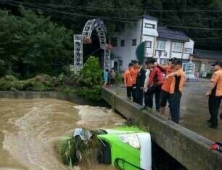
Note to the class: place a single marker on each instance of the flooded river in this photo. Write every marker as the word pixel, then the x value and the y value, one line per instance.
pixel 29 129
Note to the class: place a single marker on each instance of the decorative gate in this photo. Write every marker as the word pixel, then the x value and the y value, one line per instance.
pixel 85 37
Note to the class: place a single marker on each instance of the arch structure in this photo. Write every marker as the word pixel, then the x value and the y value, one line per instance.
pixel 79 39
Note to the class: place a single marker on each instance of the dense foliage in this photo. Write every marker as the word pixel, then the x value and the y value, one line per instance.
pixel 38 83
pixel 200 19
pixel 90 80
pixel 87 84
pixel 31 44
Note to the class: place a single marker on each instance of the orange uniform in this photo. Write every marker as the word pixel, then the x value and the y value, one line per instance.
pixel 180 73
pixel 167 83
pixel 217 78
pixel 127 78
pixel 134 73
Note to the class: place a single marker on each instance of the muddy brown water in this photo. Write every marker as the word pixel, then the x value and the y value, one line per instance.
pixel 29 129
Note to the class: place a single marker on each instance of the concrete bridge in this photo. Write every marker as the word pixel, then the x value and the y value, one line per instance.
pixel 187 147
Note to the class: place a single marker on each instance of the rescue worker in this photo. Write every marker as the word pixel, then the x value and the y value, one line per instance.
pixel 128 81
pixel 215 94
pixel 176 89
pixel 134 72
pixel 154 84
pixel 165 90
pixel 140 84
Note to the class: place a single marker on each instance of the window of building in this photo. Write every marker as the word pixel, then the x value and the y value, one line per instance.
pixel 177 47
pixel 188 50
pixel 148 44
pixel 147 25
pixel 161 45
pixel 122 43
pixel 134 42
pixel 114 41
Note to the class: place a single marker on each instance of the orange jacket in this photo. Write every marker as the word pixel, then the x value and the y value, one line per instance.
pixel 167 82
pixel 182 81
pixel 217 78
pixel 134 73
pixel 127 78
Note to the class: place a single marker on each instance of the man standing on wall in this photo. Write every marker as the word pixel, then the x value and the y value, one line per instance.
pixel 154 84
pixel 128 81
pixel 165 90
pixel 134 72
pixel 176 89
pixel 140 84
pixel 215 94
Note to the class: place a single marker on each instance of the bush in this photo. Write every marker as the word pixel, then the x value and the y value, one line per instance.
pixel 93 93
pixel 90 80
pixel 119 78
pixel 87 84
pixel 38 83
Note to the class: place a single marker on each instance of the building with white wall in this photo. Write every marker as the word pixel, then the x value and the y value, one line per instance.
pixel 203 60
pixel 160 43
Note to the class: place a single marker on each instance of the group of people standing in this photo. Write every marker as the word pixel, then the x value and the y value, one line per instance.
pixel 147 80
pixel 109 77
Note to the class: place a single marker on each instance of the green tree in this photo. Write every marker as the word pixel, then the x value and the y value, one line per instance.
pixel 34 42
pixel 88 9
pixel 90 80
pixel 181 16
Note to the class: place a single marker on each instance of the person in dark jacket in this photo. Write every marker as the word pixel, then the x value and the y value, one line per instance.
pixel 140 84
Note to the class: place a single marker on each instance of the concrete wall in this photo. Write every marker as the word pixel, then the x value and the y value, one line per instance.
pixel 127 53
pixel 149 51
pixel 188 45
pixel 141 33
pixel 187 147
pixel 150 31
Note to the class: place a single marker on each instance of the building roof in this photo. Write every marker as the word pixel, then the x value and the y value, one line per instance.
pixel 146 16
pixel 166 33
pixel 206 54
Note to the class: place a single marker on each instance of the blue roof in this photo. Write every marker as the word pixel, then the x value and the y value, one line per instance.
pixel 207 54
pixel 166 33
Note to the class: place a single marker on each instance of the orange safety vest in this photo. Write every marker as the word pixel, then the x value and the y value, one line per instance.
pixel 128 78
pixel 182 81
pixel 217 78
pixel 167 82
pixel 134 73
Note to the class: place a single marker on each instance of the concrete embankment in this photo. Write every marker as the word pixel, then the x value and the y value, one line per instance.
pixel 187 147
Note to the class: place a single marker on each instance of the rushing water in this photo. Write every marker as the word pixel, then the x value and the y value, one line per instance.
pixel 29 129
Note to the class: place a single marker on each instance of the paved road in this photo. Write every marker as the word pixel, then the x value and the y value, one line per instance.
pixel 194 110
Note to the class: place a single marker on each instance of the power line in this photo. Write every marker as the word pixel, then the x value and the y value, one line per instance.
pixel 125 20
pixel 121 9
pixel 32 5
pixel 77 7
